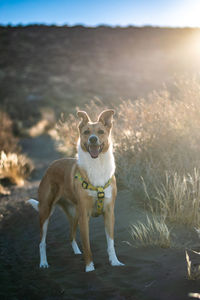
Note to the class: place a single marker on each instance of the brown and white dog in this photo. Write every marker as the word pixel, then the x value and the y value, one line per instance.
pixel 95 166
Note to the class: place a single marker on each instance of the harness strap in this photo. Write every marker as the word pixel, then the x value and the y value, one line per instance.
pixel 98 189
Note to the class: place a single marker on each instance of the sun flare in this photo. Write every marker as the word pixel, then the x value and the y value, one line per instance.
pixel 188 13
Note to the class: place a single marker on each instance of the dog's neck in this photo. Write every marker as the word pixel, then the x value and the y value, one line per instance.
pixel 100 169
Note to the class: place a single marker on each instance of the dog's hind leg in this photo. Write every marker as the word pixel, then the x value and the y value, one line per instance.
pixel 71 213
pixel 44 213
pixel 46 208
pixel 42 246
pixel 73 228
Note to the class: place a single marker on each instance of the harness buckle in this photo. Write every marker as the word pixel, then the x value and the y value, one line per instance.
pixel 85 185
pixel 100 195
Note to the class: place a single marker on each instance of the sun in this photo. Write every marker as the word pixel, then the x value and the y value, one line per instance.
pixel 188 13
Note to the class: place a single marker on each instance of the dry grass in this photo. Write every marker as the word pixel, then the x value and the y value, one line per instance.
pixel 158 134
pixel 178 198
pixel 44 125
pixel 153 232
pixel 159 141
pixel 194 295
pixel 8 142
pixel 4 190
pixel 193 269
pixel 15 167
pixel 66 135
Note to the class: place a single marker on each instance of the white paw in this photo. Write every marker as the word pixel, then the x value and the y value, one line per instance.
pixel 44 265
pixel 116 262
pixel 76 248
pixel 90 267
pixel 78 251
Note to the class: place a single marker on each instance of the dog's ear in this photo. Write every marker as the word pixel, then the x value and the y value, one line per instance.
pixel 85 118
pixel 106 117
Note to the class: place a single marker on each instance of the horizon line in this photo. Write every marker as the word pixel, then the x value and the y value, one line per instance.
pixel 21 24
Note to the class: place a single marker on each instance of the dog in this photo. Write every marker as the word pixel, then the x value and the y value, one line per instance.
pixel 82 187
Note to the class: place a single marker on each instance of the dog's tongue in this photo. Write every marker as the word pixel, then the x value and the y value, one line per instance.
pixel 94 151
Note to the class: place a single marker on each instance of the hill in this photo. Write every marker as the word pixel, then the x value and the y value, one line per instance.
pixel 61 67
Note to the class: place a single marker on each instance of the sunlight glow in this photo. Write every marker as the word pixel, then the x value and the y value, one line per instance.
pixel 196 43
pixel 193 47
pixel 188 13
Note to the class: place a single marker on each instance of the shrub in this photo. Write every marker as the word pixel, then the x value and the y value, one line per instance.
pixel 66 135
pixel 156 135
pixel 4 190
pixel 15 167
pixel 153 232
pixel 194 295
pixel 178 198
pixel 8 142
pixel 193 267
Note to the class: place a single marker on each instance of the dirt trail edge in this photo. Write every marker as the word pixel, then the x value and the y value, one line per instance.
pixel 149 273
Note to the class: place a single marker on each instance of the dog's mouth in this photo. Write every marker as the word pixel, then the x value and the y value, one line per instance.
pixel 94 150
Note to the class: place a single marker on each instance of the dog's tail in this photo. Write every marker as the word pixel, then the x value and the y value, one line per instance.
pixel 34 203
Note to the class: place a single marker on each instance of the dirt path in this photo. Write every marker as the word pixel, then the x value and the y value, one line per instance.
pixel 150 273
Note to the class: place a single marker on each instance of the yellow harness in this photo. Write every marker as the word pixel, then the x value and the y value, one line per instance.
pixel 98 189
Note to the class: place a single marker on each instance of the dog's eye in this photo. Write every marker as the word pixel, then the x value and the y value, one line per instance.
pixel 100 131
pixel 86 132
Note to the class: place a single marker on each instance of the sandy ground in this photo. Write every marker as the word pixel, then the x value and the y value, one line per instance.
pixel 149 273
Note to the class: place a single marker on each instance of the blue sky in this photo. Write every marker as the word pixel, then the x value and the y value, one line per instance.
pixel 174 13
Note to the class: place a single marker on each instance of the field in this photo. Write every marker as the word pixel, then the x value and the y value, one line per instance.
pixel 150 76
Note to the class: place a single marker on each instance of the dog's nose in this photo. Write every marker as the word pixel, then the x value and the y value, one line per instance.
pixel 93 139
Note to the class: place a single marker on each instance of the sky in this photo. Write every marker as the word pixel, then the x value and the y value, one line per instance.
pixel 172 13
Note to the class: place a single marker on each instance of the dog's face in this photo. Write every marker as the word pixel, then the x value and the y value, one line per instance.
pixel 95 136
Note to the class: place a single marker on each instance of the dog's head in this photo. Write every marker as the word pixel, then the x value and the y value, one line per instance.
pixel 95 136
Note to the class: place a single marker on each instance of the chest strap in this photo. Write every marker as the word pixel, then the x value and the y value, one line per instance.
pixel 98 189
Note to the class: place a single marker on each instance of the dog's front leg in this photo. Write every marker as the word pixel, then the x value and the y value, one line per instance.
pixel 84 231
pixel 109 220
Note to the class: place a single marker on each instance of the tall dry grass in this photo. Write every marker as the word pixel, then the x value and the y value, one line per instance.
pixel 159 142
pixel 13 165
pixel 153 232
pixel 193 266
pixel 8 142
pixel 178 198
pixel 159 134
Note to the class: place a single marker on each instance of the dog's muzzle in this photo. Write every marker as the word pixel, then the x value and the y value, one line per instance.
pixel 94 147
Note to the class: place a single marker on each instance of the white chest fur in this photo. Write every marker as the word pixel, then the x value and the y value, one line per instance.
pixel 100 169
